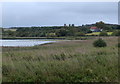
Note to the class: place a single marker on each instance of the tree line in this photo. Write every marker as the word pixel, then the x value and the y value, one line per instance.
pixel 58 31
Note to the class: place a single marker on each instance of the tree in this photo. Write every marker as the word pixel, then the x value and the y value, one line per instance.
pixel 42 34
pixel 61 32
pixel 71 31
pixel 116 33
pixel 10 33
pixel 108 28
pixel 100 24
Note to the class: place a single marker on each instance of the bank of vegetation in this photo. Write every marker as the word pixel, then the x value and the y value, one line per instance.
pixel 66 62
pixel 61 31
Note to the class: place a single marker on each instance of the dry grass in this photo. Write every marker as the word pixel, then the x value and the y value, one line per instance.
pixel 66 61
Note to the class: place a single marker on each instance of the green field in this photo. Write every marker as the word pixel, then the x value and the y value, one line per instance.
pixel 10 29
pixel 97 33
pixel 66 61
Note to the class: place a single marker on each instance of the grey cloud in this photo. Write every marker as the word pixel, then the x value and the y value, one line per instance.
pixel 58 13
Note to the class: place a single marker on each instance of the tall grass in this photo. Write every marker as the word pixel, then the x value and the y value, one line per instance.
pixel 67 61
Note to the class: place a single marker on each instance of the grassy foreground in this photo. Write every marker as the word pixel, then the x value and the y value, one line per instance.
pixel 67 61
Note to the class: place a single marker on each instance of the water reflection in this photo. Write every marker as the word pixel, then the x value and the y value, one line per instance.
pixel 23 43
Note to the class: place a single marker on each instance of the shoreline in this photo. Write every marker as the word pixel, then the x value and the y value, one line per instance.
pixel 23 43
pixel 49 43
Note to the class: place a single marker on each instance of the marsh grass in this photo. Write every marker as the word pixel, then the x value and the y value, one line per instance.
pixel 66 61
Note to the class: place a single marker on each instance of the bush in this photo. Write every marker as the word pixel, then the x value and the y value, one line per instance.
pixel 89 31
pixel 103 33
pixel 118 45
pixel 99 43
pixel 116 33
pixel 50 35
pixel 80 34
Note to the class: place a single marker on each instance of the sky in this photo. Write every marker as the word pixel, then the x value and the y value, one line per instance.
pixel 59 0
pixel 19 14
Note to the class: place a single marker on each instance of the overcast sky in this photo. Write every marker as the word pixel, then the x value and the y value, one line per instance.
pixel 58 13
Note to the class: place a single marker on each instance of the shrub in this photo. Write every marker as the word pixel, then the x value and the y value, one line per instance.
pixel 89 31
pixel 118 45
pixel 99 43
pixel 80 34
pixel 103 33
pixel 116 33
pixel 50 35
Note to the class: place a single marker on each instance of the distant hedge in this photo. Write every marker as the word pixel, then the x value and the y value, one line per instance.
pixel 116 33
pixel 103 33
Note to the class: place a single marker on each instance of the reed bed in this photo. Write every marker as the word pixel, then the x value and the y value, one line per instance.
pixel 66 61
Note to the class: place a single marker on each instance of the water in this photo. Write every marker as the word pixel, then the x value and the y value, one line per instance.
pixel 23 43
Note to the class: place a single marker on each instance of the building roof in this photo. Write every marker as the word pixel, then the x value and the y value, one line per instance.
pixel 93 28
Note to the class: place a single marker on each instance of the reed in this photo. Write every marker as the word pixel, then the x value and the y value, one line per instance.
pixel 66 61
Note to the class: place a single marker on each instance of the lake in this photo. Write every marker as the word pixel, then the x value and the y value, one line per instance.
pixel 24 42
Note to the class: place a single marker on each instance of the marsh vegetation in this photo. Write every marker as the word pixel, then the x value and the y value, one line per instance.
pixel 66 61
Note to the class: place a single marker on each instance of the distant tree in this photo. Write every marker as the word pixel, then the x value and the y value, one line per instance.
pixel 116 33
pixel 108 28
pixel 73 25
pixel 61 32
pixel 118 27
pixel 42 34
pixel 71 31
pixel 100 24
pixel 10 33
pixel 80 34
